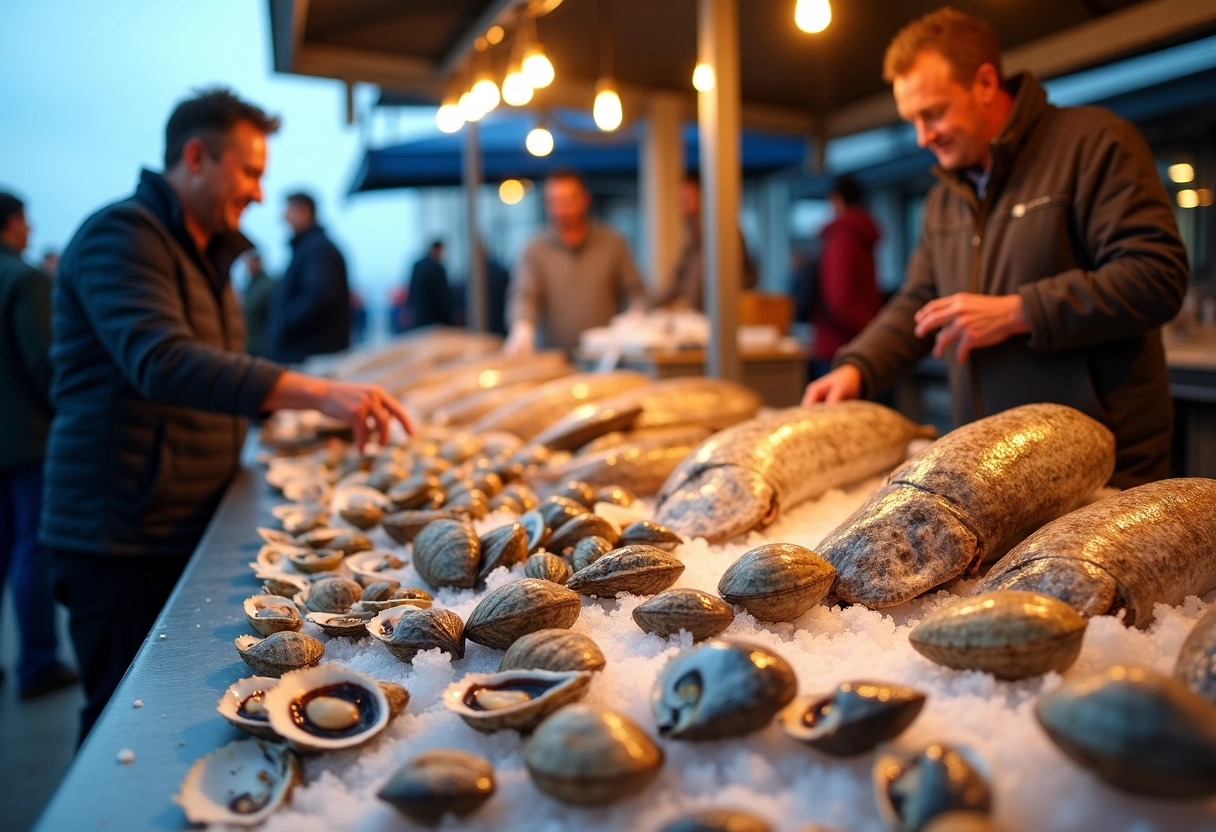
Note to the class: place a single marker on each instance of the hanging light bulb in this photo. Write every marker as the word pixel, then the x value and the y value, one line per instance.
pixel 467 105
pixel 485 92
pixel 703 78
pixel 448 117
pixel 516 90
pixel 539 141
pixel 537 68
pixel 813 15
pixel 511 191
pixel 607 108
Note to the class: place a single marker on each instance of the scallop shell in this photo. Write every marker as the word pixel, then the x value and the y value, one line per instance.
pixel 513 699
pixel 853 718
pixel 290 715
pixel 405 631
pixel 701 614
pixel 777 582
pixel 637 570
pixel 438 782
pixel 552 649
pixel 252 717
pixel 547 567
pixel 268 614
pixel 446 553
pixel 518 608
pixel 241 784
pixel 909 793
pixel 280 652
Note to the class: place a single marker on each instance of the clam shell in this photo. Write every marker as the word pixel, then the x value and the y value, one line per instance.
pixel 446 553
pixel 280 652
pixel 1139 730
pixel 547 567
pixel 853 718
pixel 637 570
pixel 362 516
pixel 518 608
pixel 402 596
pixel 777 582
pixel 341 625
pixel 404 526
pixel 616 495
pixel 1196 664
pixel 558 510
pixel 909 793
pixel 405 631
pixel 721 689
pixel 297 518
pixel 568 534
pixel 311 561
pixel 504 546
pixel 398 698
pixel 591 756
pixel 419 491
pixel 536 528
pixel 241 784
pixel 229 705
pixel 268 614
pixel 284 708
pixel 369 566
pixel 718 820
pixel 318 538
pixel 1009 633
pixel 578 491
pixel 649 533
pixel 379 590
pixel 332 595
pixel 507 502
pixel 700 613
pixel 588 550
pixel 552 649
pixel 283 584
pixel 438 782
pixel 351 542
pixel 521 492
pixel 471 500
pixel 547 690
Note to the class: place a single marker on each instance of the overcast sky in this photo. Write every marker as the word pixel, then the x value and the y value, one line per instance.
pixel 87 85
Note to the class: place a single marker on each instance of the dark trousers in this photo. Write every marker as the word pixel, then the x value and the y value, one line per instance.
pixel 113 603
pixel 28 565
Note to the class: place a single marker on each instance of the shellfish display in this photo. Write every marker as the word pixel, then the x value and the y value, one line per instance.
pixel 438 783
pixel 326 708
pixel 515 699
pixel 242 783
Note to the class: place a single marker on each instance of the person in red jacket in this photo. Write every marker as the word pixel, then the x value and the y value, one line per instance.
pixel 847 296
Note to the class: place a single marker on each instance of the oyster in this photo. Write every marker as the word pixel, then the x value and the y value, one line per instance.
pixel 242 783
pixel 777 582
pixel 310 561
pixel 718 820
pixel 588 550
pixel 518 608
pixel 637 570
pixel 505 546
pixel 279 652
pixel 513 699
pixel 341 625
pixel 911 792
pixel 568 534
pixel 854 718
pixel 326 708
pixel 271 613
pixel 405 631
pixel 438 782
pixel 721 689
pixel 243 704
pixel 672 610
pixel 1009 633
pixel 552 650
pixel 591 756
pixel 547 567
pixel 331 595
pixel 1138 730
pixel 649 533
pixel 446 553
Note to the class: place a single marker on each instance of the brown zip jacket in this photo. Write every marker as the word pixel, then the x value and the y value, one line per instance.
pixel 1076 221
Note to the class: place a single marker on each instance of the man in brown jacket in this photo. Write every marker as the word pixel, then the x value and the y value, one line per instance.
pixel 1049 257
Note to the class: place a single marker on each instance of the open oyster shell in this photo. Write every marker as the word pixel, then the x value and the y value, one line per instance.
pixel 243 704
pixel 513 699
pixel 241 784
pixel 268 614
pixel 326 708
pixel 341 624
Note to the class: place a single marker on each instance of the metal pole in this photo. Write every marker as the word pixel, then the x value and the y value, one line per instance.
pixel 661 170
pixel 475 291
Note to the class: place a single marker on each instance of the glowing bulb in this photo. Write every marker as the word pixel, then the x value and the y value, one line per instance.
pixel 485 93
pixel 813 15
pixel 703 78
pixel 1181 172
pixel 467 105
pixel 1188 198
pixel 448 117
pixel 537 68
pixel 511 191
pixel 516 90
pixel 539 142
pixel 607 108
pixel 494 34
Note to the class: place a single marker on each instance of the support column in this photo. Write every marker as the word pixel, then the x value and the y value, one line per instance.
pixel 661 172
pixel 475 291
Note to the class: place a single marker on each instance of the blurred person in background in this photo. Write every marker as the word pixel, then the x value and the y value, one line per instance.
pixel 152 386
pixel 310 313
pixel 50 263
pixel 25 418
pixel 428 300
pixel 258 295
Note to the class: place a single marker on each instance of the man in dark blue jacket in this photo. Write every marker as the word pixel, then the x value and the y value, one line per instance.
pixel 429 299
pixel 310 313
pixel 152 386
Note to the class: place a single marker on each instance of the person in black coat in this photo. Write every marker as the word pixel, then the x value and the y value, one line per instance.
pixel 310 313
pixel 429 299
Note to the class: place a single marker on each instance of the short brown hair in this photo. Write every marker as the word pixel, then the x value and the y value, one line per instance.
pixel 210 115
pixel 966 42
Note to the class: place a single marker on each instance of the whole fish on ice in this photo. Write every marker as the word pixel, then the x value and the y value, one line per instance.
pixel 641 466
pixel 539 407
pixel 967 498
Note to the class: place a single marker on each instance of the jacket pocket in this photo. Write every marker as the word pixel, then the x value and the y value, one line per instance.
pixel 153 483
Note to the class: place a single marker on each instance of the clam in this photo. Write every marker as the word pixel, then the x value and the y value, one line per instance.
pixel 507 502
pixel 530 455
pixel 341 625
pixel 558 510
pixel 307 489
pixel 777 582
pixel 718 820
pixel 525 495
pixel 649 533
pixel 1196 664
pixel 297 518
pixel 404 526
pixel 721 689
pixel 637 570
pixel 552 649
pixel 591 756
pixel 362 515
pixel 271 613
pixel 310 561
pixel 402 596
pixel 852 719
pixel 385 474
pixel 568 534
pixel 446 553
pixel 379 590
pixel 349 542
pixel 241 784
pixel 588 550
pixel 405 631
pixel 398 698
pixel 439 782
pixel 460 447
pixel 332 595
pixel 1138 730
pixel 317 538
pixel 547 567
pixel 535 528
pixel 578 491
pixel 1009 633
pixel 513 699
pixel 518 608
pixel 279 652
pixel 700 613
pixel 283 584
pixel 471 500
pixel 504 546
pixel 275 537
pixel 368 566
pixel 243 704
pixel 419 491
pixel 616 495
pixel 910 793
pixel 326 708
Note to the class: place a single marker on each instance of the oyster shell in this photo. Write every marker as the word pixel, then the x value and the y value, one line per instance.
pixel 591 756
pixel 721 689
pixel 242 783
pixel 547 567
pixel 518 608
pixel 268 614
pixel 777 582
pixel 852 719
pixel 1138 730
pixel 243 704
pixel 438 782
pixel 326 708
pixel 341 625
pixel 588 550
pixel 672 610
pixel 279 652
pixel 1011 634
pixel 505 546
pixel 405 631
pixel 513 699
pixel 567 535
pixel 446 553
pixel 910 793
pixel 649 533
pixel 637 570
pixel 718 820
pixel 552 649
pixel 331 595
